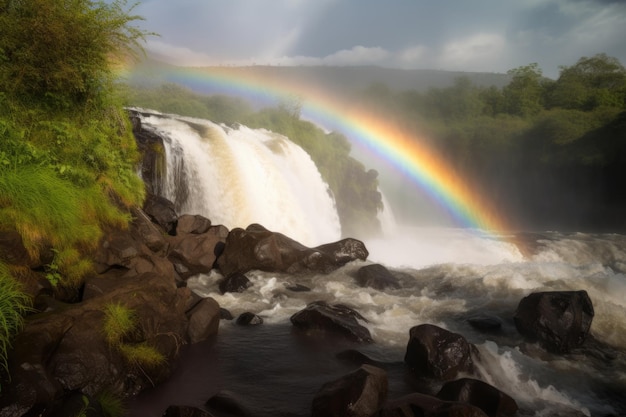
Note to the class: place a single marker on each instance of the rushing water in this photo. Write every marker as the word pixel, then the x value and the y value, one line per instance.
pixel 448 276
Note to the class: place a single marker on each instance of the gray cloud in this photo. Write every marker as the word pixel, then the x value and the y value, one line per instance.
pixel 483 35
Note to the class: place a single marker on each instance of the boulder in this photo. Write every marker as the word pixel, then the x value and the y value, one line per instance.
pixel 321 318
pixel 488 398
pixel 249 319
pixel 12 250
pixel 558 320
pixel 195 253
pixel 434 352
pixel 376 276
pixel 195 224
pixel 261 249
pixel 345 250
pixel 358 394
pixel 227 403
pixel 485 323
pixel 234 283
pixel 162 212
pixel 204 319
pixel 422 405
pixel 67 351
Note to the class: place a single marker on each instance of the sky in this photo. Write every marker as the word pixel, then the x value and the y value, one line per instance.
pixel 455 35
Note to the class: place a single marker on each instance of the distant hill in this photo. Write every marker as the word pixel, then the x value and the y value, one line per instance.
pixel 344 79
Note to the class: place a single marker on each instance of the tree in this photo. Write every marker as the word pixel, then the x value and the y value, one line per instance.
pixel 591 83
pixel 61 51
pixel 523 95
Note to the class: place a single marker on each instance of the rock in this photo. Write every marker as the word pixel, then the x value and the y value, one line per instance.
pixel 204 320
pixel 248 319
pixel 331 320
pixel 261 249
pixel 12 250
pixel 491 400
pixel 437 353
pixel 358 394
pixel 76 404
pixel 558 320
pixel 162 212
pixel 345 250
pixel 422 405
pixel 226 403
pixel 225 314
pixel 143 230
pixel 194 224
pixel 193 253
pixel 298 288
pixel 66 350
pixel 376 276
pixel 234 283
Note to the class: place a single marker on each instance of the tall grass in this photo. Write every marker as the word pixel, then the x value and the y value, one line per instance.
pixel 13 305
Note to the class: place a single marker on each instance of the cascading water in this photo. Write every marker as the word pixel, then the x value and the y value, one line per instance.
pixel 239 176
pixel 447 275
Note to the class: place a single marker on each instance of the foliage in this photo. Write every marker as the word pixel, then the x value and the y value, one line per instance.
pixel 60 52
pixel 13 305
pixel 111 404
pixel 121 322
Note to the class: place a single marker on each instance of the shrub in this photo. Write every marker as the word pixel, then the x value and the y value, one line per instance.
pixel 13 305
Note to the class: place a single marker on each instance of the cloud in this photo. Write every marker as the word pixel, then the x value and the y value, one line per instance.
pixel 478 51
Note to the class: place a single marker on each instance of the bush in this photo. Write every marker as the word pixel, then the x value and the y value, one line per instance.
pixel 13 305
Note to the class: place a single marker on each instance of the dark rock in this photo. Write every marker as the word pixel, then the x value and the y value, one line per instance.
pixel 249 319
pixel 204 320
pixel 185 411
pixel 162 212
pixel 234 283
pixel 195 224
pixel 259 248
pixel 193 254
pixel 67 351
pixel 143 230
pixel 225 314
pixel 376 276
pixel 328 320
pixel 485 323
pixel 422 405
pixel 358 394
pixel 491 400
pixel 437 353
pixel 13 251
pixel 558 320
pixel 228 404
pixel 345 250
pixel 357 358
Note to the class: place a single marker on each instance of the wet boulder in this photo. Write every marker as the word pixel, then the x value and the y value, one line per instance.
pixel 422 405
pixel 435 352
pixel 558 320
pixel 249 319
pixel 358 394
pixel 195 253
pixel 195 224
pixel 234 283
pixel 261 249
pixel 345 250
pixel 162 212
pixel 323 319
pixel 488 398
pixel 376 276
pixel 204 319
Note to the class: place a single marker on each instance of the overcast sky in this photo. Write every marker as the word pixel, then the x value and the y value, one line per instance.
pixel 467 35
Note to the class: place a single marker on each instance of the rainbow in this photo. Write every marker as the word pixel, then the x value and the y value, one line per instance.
pixel 408 153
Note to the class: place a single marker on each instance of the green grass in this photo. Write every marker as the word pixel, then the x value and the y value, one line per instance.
pixel 13 305
pixel 112 405
pixel 119 322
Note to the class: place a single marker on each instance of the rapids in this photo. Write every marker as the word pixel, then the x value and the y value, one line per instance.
pixel 447 276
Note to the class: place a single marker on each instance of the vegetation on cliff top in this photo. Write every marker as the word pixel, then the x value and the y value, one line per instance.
pixel 67 153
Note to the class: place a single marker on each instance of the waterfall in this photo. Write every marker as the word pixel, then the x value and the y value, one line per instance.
pixel 239 176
